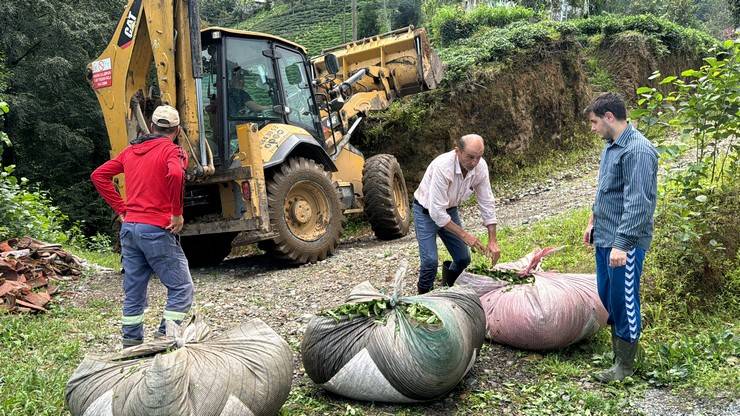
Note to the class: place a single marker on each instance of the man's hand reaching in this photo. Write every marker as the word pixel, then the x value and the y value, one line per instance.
pixel 493 251
pixel 473 242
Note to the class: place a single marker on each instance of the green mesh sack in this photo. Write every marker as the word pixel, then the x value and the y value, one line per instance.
pixel 403 350
pixel 244 371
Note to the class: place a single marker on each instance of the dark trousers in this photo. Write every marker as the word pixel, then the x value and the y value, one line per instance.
pixel 426 235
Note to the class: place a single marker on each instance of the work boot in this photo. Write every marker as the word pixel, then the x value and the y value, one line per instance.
pixel 127 342
pixel 448 276
pixel 624 361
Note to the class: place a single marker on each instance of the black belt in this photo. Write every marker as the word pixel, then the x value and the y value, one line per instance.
pixel 426 211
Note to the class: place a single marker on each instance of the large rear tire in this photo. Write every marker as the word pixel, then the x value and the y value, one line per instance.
pixel 386 197
pixel 305 212
pixel 207 250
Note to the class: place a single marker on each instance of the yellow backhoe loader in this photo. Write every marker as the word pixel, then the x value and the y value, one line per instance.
pixel 267 130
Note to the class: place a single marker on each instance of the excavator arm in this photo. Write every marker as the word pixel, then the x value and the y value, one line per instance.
pixel 153 40
pixel 156 57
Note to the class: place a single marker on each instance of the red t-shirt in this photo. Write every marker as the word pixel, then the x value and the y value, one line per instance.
pixel 155 175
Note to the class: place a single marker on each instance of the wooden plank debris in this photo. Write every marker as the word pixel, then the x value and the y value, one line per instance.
pixel 27 269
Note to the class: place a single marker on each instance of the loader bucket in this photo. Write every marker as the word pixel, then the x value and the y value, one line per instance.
pixel 406 53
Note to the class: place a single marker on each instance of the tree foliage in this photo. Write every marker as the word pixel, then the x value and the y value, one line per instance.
pixel 696 221
pixel 367 21
pixel 408 13
pixel 228 12
pixel 23 209
pixel 718 17
pixel 56 124
pixel 711 15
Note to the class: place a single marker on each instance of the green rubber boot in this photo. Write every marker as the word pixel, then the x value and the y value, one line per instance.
pixel 624 361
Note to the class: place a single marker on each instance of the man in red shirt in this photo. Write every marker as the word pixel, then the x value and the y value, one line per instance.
pixel 154 169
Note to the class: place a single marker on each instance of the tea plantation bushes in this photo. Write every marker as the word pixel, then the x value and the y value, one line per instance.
pixel 451 23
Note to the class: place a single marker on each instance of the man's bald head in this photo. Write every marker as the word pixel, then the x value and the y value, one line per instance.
pixel 469 151
pixel 469 140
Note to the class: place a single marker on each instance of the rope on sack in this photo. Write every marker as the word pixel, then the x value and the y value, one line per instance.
pixel 398 282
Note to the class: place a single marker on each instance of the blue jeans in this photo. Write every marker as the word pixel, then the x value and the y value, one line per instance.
pixel 619 290
pixel 148 249
pixel 426 234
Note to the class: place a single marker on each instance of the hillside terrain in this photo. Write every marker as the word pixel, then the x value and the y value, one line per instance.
pixel 316 25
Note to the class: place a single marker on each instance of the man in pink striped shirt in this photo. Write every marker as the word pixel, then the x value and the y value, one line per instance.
pixel 450 180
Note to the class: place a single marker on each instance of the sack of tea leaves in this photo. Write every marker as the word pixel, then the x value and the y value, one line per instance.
pixel 394 348
pixel 532 309
pixel 244 371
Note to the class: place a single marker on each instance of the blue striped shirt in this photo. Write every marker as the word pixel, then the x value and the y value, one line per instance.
pixel 626 196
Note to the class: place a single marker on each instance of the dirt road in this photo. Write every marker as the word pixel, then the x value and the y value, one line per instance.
pixel 285 298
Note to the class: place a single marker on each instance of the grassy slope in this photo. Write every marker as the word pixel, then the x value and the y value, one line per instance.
pixel 316 24
pixel 696 355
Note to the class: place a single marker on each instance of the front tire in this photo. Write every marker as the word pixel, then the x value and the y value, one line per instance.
pixel 305 212
pixel 386 197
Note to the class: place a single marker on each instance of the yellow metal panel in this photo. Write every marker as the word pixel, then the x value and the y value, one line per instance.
pixel 161 22
pixel 272 136
pixel 187 104
pixel 250 155
pixel 363 102
pixel 349 165
pixel 152 41
pixel 228 204
pixel 145 37
pixel 114 100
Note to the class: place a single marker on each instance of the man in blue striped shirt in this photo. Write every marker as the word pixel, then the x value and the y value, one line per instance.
pixel 621 225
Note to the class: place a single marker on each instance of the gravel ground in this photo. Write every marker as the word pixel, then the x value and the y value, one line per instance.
pixel 285 298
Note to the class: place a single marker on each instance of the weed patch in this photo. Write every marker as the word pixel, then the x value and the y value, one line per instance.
pixel 564 230
pixel 39 353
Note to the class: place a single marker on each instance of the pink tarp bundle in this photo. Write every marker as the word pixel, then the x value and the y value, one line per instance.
pixel 555 311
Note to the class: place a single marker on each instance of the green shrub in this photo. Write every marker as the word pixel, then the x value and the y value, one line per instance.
pixel 600 78
pixel 27 211
pixel 498 16
pixel 673 37
pixel 23 209
pixel 496 46
pixel 592 25
pixel 449 24
pixel 526 36
pixel 466 45
pixel 499 45
pixel 696 247
pixel 686 356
